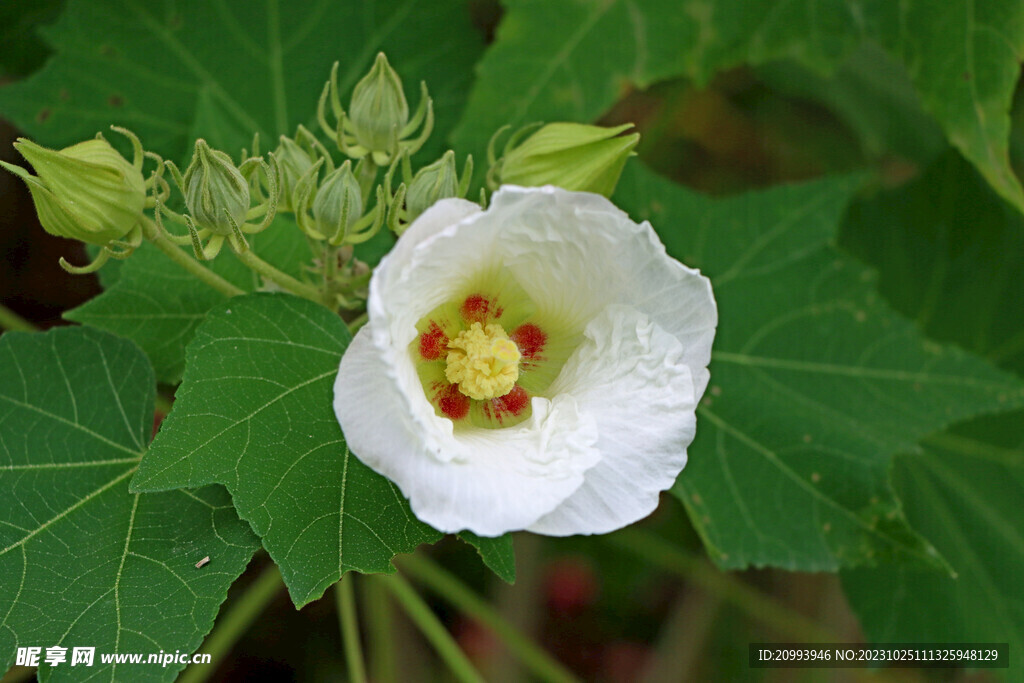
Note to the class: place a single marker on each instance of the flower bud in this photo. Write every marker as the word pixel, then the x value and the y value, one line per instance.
pixel 215 190
pixel 330 213
pixel 431 183
pixel 293 161
pixel 571 155
pixel 86 192
pixel 379 110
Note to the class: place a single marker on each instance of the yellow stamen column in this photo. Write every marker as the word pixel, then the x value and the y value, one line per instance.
pixel 483 362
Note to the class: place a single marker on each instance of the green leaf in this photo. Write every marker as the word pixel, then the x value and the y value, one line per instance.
pixel 497 553
pixel 158 305
pixel 254 413
pixel 571 61
pixel 950 252
pixel 257 67
pixel 815 383
pixel 23 51
pixel 963 492
pixel 84 563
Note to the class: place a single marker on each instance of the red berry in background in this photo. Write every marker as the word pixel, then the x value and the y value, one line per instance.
pixel 570 584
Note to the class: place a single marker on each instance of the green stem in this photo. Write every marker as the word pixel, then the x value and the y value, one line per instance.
pixel 434 631
pixel 381 633
pixel 232 625
pixel 11 321
pixel 730 589
pixel 350 629
pixel 451 589
pixel 170 249
pixel 280 278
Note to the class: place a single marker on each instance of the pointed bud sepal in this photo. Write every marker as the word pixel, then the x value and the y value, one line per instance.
pixel 295 157
pixel 570 155
pixel 439 180
pixel 377 124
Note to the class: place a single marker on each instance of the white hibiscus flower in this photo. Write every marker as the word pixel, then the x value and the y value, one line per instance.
pixel 533 366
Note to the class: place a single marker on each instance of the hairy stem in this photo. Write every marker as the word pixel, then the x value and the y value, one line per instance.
pixel 11 321
pixel 346 600
pixel 233 625
pixel 431 627
pixel 451 589
pixel 278 277
pixel 194 267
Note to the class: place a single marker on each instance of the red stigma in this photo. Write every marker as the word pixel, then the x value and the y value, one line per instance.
pixel 433 343
pixel 479 309
pixel 530 339
pixel 512 403
pixel 452 402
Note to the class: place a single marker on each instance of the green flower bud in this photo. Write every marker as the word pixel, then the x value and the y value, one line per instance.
pixel 86 192
pixel 293 161
pixel 216 193
pixel 431 183
pixel 339 202
pixel 379 110
pixel 571 155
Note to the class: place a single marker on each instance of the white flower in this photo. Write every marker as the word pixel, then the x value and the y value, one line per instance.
pixel 533 366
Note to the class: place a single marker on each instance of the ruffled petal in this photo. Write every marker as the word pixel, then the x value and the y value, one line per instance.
pixel 485 480
pixel 576 252
pixel 631 377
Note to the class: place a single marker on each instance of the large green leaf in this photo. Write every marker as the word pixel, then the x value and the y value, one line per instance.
pixel 815 383
pixel 158 305
pixel 950 253
pixel 84 563
pixel 572 60
pixel 254 66
pixel 964 493
pixel 254 413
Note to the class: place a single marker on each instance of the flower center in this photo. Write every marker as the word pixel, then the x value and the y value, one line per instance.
pixel 483 362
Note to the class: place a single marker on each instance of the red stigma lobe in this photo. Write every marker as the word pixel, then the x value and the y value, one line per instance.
pixel 433 343
pixel 452 402
pixel 530 339
pixel 513 403
pixel 479 309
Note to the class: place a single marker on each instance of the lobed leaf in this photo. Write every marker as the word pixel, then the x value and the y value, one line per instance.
pixel 815 382
pixel 84 563
pixel 254 413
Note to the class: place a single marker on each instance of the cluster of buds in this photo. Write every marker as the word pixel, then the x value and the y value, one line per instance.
pixel 89 192
pixel 377 124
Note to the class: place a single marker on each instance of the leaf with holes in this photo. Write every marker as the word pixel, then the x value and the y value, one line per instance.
pixel 84 563
pixel 572 61
pixel 252 66
pixel 254 413
pixel 815 383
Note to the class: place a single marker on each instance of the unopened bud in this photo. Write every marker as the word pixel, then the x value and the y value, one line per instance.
pixel 216 193
pixel 86 192
pixel 571 155
pixel 379 111
pixel 294 161
pixel 432 183
pixel 339 203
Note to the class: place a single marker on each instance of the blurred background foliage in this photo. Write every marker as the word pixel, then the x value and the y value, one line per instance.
pixel 643 603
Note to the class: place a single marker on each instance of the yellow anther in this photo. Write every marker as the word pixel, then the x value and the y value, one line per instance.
pixel 483 362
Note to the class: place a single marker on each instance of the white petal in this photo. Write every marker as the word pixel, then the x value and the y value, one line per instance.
pixel 630 376
pixel 485 480
pixel 576 252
